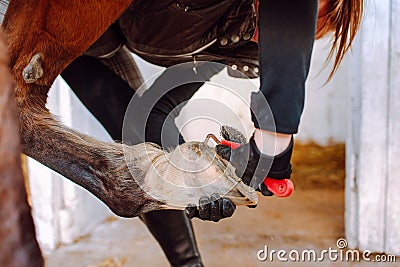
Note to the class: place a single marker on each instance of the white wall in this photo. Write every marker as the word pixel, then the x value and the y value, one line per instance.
pixel 373 147
pixel 327 104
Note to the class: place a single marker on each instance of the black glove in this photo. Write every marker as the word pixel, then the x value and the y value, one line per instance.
pixel 253 167
pixel 211 208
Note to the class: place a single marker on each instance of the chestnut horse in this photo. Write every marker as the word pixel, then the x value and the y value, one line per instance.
pixel 44 36
pixel 57 32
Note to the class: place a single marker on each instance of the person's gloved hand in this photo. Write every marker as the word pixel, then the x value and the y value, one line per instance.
pixel 211 208
pixel 252 166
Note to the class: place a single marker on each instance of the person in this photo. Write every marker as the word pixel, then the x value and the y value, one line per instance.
pixel 106 77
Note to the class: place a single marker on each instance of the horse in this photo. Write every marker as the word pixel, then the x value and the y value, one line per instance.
pixel 18 245
pixel 44 36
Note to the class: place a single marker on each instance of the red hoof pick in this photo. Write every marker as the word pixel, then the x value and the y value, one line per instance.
pixel 280 188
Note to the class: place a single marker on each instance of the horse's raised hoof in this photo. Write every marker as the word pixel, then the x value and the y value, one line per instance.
pixel 180 177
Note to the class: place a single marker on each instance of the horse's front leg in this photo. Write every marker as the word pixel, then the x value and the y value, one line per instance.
pixel 99 167
pixel 44 36
pixel 18 246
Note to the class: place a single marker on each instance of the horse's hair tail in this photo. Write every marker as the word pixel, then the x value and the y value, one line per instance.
pixel 342 18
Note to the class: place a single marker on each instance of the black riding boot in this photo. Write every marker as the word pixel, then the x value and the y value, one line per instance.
pixel 107 97
pixel 172 229
pixel 174 232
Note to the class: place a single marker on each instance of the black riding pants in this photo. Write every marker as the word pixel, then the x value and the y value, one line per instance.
pixel 286 38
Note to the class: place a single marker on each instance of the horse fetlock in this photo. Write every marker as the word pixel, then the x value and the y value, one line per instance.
pixel 132 204
pixel 33 71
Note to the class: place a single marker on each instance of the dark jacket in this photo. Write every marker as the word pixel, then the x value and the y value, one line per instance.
pixel 168 32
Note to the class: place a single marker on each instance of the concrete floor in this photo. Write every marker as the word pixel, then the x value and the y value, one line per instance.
pixel 309 219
